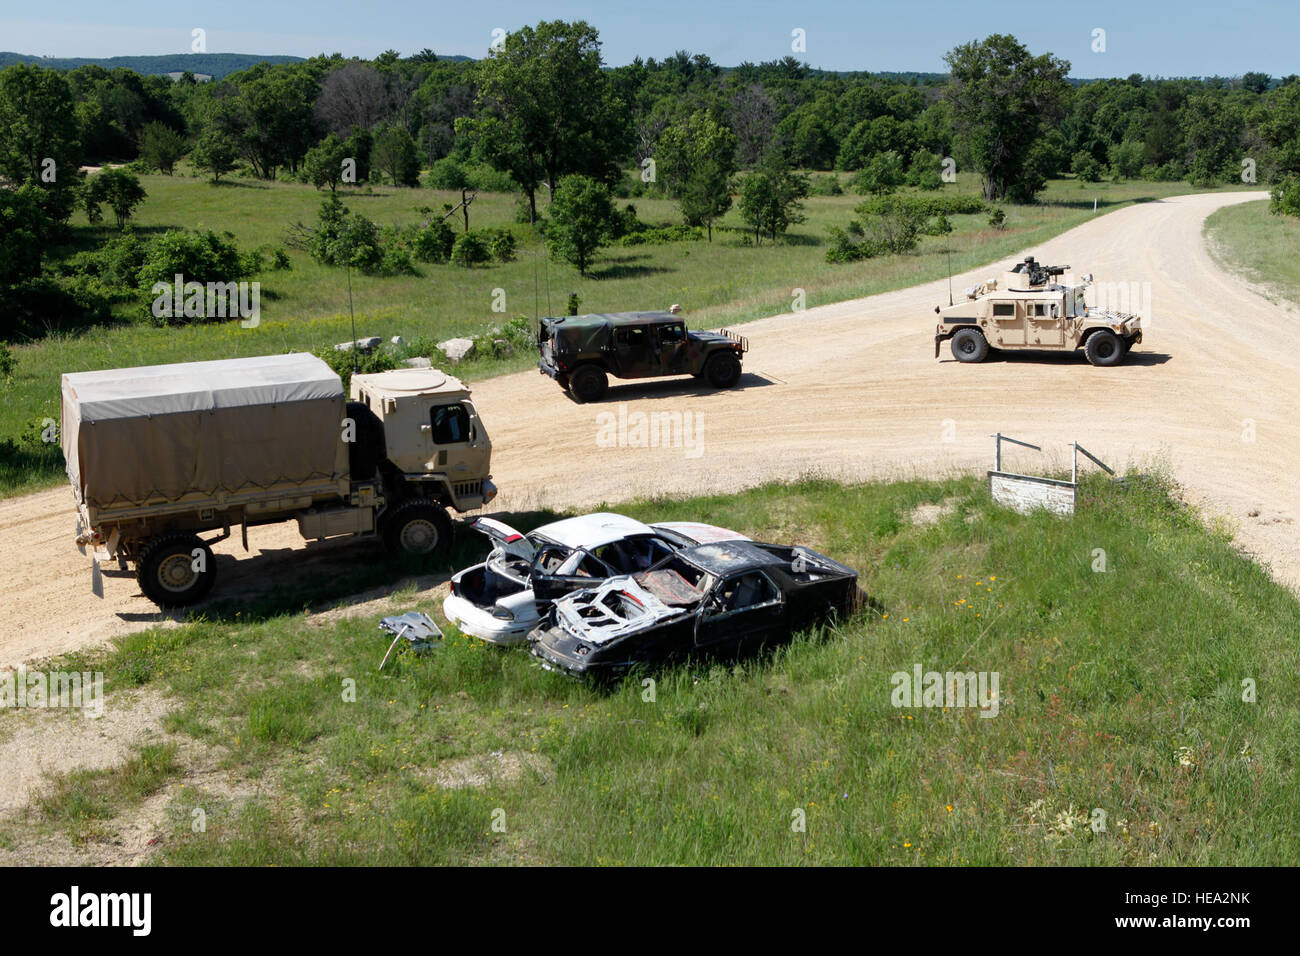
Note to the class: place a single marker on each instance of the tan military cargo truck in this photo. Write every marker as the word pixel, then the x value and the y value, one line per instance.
pixel 1028 309
pixel 160 455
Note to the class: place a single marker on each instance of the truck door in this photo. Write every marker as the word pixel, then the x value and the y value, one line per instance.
pixel 632 353
pixel 1047 324
pixel 670 341
pixel 460 444
pixel 1008 323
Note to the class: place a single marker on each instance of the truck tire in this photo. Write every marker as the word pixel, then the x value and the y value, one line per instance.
pixel 367 449
pixel 588 384
pixel 969 345
pixel 1104 348
pixel 418 526
pixel 167 571
pixel 722 370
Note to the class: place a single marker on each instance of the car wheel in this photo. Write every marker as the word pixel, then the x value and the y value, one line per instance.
pixel 1104 348
pixel 969 345
pixel 417 526
pixel 588 384
pixel 175 570
pixel 723 370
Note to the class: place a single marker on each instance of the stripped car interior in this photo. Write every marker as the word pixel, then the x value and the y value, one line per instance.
pixel 502 599
pixel 719 598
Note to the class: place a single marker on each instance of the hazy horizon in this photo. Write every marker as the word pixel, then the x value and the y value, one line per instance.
pixel 1204 39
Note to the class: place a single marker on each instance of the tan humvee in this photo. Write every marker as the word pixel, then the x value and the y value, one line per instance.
pixel 1028 308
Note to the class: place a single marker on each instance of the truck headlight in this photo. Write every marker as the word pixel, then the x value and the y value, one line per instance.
pixel 489 491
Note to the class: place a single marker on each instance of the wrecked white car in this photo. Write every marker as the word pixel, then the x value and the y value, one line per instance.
pixel 713 600
pixel 504 597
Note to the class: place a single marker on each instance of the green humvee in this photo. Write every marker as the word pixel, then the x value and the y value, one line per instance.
pixel 581 351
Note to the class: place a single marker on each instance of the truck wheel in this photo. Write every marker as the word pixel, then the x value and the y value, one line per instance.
pixel 417 526
pixel 1103 348
pixel 588 384
pixel 175 570
pixel 723 370
pixel 969 345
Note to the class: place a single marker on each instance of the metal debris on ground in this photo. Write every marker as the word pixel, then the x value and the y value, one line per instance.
pixel 416 627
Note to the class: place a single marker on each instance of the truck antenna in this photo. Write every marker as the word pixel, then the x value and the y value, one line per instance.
pixel 949 251
pixel 355 364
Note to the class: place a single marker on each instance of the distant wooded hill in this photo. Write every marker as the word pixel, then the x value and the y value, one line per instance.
pixel 215 65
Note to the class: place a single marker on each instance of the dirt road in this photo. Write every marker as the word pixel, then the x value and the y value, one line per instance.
pixel 849 390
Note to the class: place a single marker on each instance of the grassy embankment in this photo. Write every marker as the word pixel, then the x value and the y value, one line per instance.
pixel 1258 246
pixel 1119 691
pixel 306 308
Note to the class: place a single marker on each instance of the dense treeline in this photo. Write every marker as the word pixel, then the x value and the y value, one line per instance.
pixel 273 114
pixel 544 108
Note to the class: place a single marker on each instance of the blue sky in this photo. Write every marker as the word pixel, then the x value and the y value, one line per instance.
pixel 1162 38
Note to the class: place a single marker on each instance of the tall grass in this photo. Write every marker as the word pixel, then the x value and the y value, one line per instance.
pixel 1124 732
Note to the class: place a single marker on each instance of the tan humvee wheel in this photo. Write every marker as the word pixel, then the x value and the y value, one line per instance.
pixel 969 345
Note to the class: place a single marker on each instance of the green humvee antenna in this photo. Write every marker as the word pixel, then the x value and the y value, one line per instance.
pixel 356 366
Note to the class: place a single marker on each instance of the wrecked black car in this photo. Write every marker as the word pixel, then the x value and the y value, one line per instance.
pixel 719 599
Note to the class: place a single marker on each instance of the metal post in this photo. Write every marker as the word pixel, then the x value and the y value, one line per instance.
pixel 1074 463
pixel 997 455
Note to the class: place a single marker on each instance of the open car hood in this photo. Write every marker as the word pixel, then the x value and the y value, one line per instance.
pixel 505 539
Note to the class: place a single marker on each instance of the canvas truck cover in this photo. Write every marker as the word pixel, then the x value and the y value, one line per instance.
pixel 588 333
pixel 205 429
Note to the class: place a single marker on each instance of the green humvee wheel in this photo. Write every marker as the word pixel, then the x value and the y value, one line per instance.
pixel 588 384
pixel 723 370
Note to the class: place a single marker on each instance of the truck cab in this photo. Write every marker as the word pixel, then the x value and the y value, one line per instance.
pixel 433 436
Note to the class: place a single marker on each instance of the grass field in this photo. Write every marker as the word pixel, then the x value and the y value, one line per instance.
pixel 1119 691
pixel 306 308
pixel 1258 246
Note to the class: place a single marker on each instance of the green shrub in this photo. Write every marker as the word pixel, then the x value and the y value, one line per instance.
pixel 998 218
pixel 195 256
pixel 8 362
pixel 39 305
pixel 826 184
pixel 344 362
pixel 925 205
pixel 1285 199
pixel 446 174
pixel 503 245
pixel 114 266
pixel 660 235
pixel 489 180
pixel 433 242
pixel 1085 166
pixel 469 250
pixel 280 259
